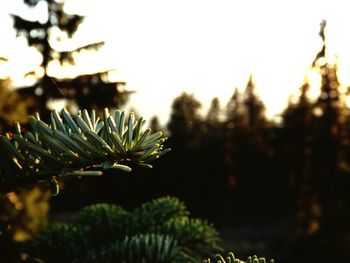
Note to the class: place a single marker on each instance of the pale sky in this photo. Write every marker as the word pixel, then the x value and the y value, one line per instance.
pixel 162 47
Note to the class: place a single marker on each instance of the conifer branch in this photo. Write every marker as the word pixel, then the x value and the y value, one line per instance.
pixel 75 146
pixel 230 258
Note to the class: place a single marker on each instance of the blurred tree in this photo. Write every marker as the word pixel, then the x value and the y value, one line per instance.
pixel 319 134
pixel 326 148
pixel 185 120
pixel 45 33
pixel 24 212
pixel 294 150
pixel 18 216
pixel 234 110
pixel 213 143
pixel 234 122
pixel 213 115
pixel 155 124
pixel 214 130
pixel 247 142
pixel 8 112
pixel 186 136
pixel 48 33
pixel 254 107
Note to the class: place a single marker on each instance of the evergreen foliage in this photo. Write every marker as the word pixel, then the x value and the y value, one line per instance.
pixel 315 135
pixel 292 169
pixel 254 108
pixel 49 36
pixel 107 233
pixel 140 248
pixel 213 115
pixel 246 142
pixel 75 146
pixel 185 117
pixel 230 258
pixel 8 113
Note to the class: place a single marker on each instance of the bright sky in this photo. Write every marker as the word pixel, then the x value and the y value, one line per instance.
pixel 163 47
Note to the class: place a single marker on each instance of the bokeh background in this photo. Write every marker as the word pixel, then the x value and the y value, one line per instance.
pixel 253 95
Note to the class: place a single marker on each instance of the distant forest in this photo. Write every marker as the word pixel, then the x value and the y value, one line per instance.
pixel 240 168
pixel 243 168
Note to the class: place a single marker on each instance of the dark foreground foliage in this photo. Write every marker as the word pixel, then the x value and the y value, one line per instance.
pixel 160 231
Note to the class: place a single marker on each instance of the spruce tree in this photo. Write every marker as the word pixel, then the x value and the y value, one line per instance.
pixel 234 110
pixel 233 128
pixel 88 90
pixel 254 107
pixel 320 141
pixel 326 147
pixel 247 142
pixel 213 115
pixel 185 119
pixel 294 148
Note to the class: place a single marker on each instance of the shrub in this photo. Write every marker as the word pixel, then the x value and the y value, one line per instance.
pixel 160 231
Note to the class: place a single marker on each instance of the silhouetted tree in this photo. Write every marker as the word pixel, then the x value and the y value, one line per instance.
pixel 234 122
pixel 234 110
pixel 326 148
pixel 90 90
pixel 254 107
pixel 191 148
pixel 213 115
pixel 247 142
pixel 294 151
pixel 154 124
pixel 213 145
pixel 213 140
pixel 185 120
pixel 317 140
